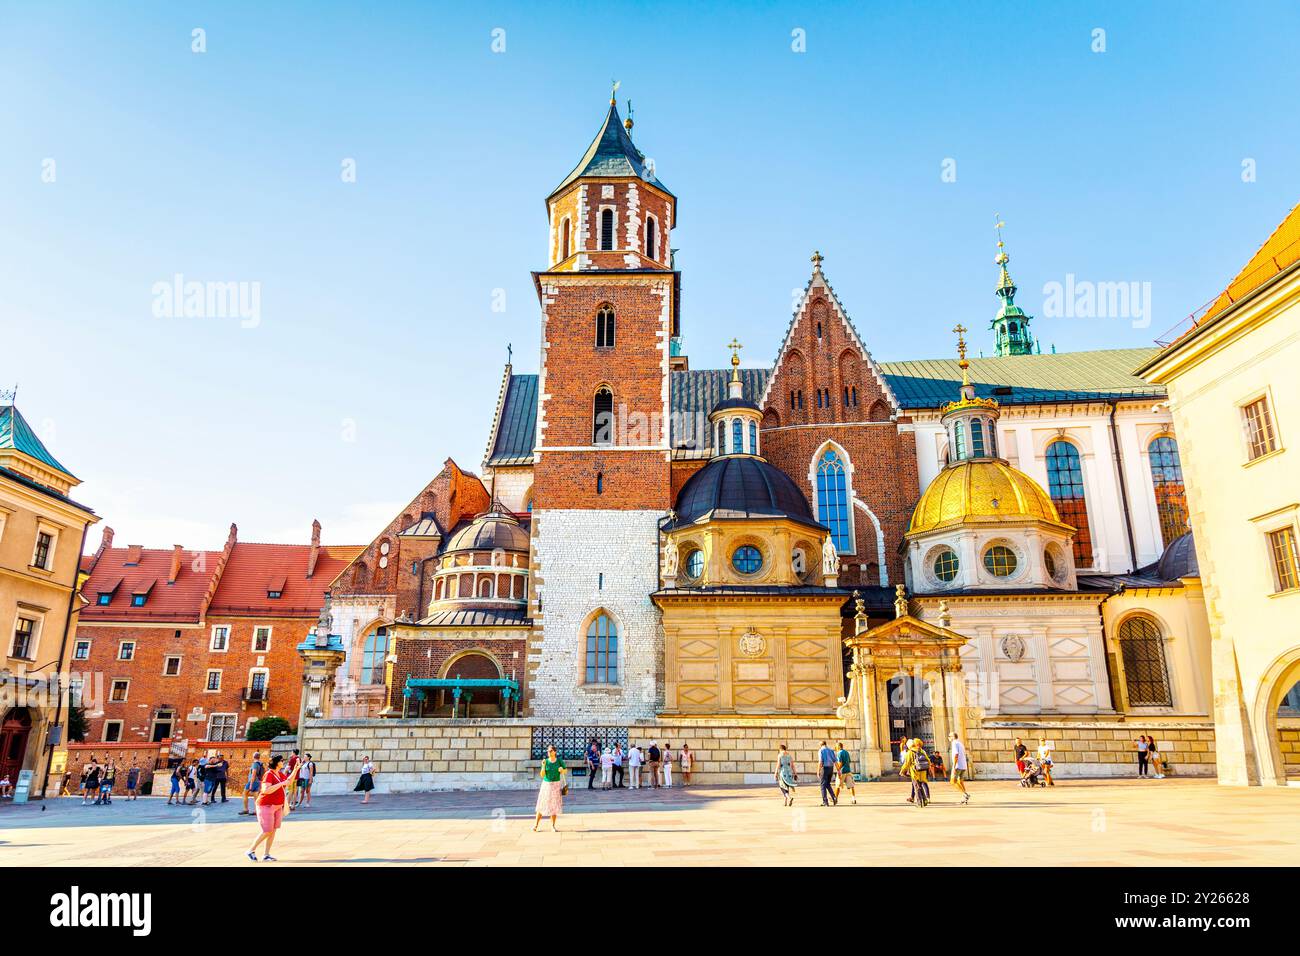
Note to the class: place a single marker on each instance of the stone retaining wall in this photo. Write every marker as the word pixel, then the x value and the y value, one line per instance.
pixel 1093 748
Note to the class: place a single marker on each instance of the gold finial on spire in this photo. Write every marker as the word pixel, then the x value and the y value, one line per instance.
pixel 817 261
pixel 735 358
pixel 627 123
pixel 964 364
pixel 614 84
pixel 1002 257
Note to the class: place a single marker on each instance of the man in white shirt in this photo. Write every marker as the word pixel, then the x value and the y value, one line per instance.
pixel 634 761
pixel 958 775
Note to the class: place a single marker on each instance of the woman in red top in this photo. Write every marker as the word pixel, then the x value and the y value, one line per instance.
pixel 270 808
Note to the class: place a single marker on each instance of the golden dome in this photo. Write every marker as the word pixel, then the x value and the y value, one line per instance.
pixel 982 491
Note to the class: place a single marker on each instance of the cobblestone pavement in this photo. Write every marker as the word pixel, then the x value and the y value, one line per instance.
pixel 1129 822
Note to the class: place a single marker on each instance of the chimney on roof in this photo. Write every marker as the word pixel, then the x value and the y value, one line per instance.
pixel 133 552
pixel 106 541
pixel 315 548
pixel 175 571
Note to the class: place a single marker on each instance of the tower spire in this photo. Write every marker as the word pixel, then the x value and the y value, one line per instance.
pixel 1010 325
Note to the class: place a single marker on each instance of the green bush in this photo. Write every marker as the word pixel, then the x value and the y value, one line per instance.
pixel 268 728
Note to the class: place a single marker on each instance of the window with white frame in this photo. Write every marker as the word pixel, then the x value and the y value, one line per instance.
pixel 1285 560
pixel 119 691
pixel 81 651
pixel 261 640
pixel 220 638
pixel 1257 422
pixel 171 665
pixel 43 552
pixel 27 631
pixel 222 727
pixel 126 650
pixel 213 682
pixel 257 680
pixel 112 731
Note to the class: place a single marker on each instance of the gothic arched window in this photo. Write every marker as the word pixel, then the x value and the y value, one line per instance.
pixel 374 655
pixel 753 438
pixel 602 650
pixel 651 239
pixel 1065 485
pixel 566 230
pixel 976 438
pixel 737 443
pixel 1171 496
pixel 1142 650
pixel 833 500
pixel 605 327
pixel 602 419
pixel 959 440
pixel 607 229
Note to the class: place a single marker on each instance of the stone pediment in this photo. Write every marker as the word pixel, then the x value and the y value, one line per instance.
pixel 906 632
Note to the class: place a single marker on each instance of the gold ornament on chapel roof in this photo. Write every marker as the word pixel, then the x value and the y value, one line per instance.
pixel 968 398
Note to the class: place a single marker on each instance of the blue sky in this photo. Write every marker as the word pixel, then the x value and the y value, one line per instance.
pixel 378 353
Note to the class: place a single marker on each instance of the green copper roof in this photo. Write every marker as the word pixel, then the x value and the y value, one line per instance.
pixel 17 434
pixel 611 153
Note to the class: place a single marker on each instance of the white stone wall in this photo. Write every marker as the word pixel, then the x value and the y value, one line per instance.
pixel 510 485
pixel 586 561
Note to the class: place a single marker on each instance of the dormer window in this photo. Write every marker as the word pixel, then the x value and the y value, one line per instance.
pixel 140 596
pixel 274 595
pixel 275 587
pixel 105 598
pixel 138 600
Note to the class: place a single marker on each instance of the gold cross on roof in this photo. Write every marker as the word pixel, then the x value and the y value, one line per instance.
pixel 735 351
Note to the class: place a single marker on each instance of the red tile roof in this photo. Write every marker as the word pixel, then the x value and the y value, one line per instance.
pixel 180 602
pixel 255 569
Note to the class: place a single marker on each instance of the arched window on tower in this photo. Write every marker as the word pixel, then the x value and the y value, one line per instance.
pixel 753 438
pixel 602 419
pixel 1065 485
pixel 1142 650
pixel 566 232
pixel 605 327
pixel 1171 496
pixel 721 442
pixel 602 651
pixel 959 440
pixel 607 229
pixel 374 655
pixel 833 500
pixel 976 438
pixel 651 238
pixel 737 444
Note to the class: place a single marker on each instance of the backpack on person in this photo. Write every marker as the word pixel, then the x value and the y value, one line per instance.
pixel 921 762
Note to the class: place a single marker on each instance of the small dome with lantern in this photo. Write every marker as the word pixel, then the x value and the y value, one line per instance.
pixel 982 523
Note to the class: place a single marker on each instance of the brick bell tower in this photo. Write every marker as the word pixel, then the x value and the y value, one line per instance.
pixel 609 305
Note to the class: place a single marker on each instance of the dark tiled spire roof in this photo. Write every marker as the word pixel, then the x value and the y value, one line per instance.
pixel 611 153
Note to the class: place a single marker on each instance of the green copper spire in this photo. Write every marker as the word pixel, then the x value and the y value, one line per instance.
pixel 1011 325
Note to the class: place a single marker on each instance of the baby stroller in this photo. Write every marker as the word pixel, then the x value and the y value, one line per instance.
pixel 1031 774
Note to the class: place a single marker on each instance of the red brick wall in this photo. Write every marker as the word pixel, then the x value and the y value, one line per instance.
pixel 883 458
pixel 650 202
pixel 238 754
pixel 574 369
pixel 150 689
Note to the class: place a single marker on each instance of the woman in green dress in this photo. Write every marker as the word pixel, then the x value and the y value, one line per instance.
pixel 787 778
pixel 550 799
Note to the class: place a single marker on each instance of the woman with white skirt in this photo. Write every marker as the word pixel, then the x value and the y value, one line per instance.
pixel 668 766
pixel 550 799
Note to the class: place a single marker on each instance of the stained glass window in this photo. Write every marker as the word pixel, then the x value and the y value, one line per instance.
pixel 747 559
pixel 945 565
pixel 753 438
pixel 976 439
pixel 1000 561
pixel 1065 485
pixel 959 441
pixel 1171 496
pixel 833 501
pixel 737 442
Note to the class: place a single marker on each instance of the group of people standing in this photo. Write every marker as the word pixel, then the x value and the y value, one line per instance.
pixel 651 767
pixel 206 775
pixel 1149 757
pixel 99 778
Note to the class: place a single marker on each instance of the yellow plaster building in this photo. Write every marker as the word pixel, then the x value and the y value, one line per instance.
pixel 1235 397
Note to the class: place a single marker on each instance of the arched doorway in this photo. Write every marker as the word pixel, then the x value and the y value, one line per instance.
pixel 1277 720
pixel 15 730
pixel 480 702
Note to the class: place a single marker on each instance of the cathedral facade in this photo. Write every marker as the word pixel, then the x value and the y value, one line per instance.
pixel 651 542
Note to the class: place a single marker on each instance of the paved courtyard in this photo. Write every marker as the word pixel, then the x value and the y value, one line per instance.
pixel 1130 822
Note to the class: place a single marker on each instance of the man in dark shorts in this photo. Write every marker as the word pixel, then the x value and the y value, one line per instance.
pixel 254 782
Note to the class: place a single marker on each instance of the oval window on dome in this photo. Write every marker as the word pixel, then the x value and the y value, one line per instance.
pixel 695 564
pixel 747 559
pixel 1049 562
pixel 946 565
pixel 1000 561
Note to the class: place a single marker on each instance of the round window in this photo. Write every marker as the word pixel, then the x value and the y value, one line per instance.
pixel 945 565
pixel 747 559
pixel 1000 561
pixel 695 564
pixel 1049 562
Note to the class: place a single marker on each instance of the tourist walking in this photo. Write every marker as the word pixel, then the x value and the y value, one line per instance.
pixel 306 777
pixel 593 763
pixel 253 784
pixel 686 763
pixel 133 781
pixel 270 808
pixel 366 782
pixel 787 776
pixel 606 769
pixel 90 782
pixel 192 782
pixel 959 765
pixel 844 774
pixel 668 765
pixel 828 760
pixel 1045 758
pixel 653 754
pixel 107 780
pixel 221 769
pixel 178 771
pixel 916 765
pixel 618 767
pixel 1143 752
pixel 550 799
pixel 1021 752
pixel 1153 756
pixel 634 760
pixel 291 771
